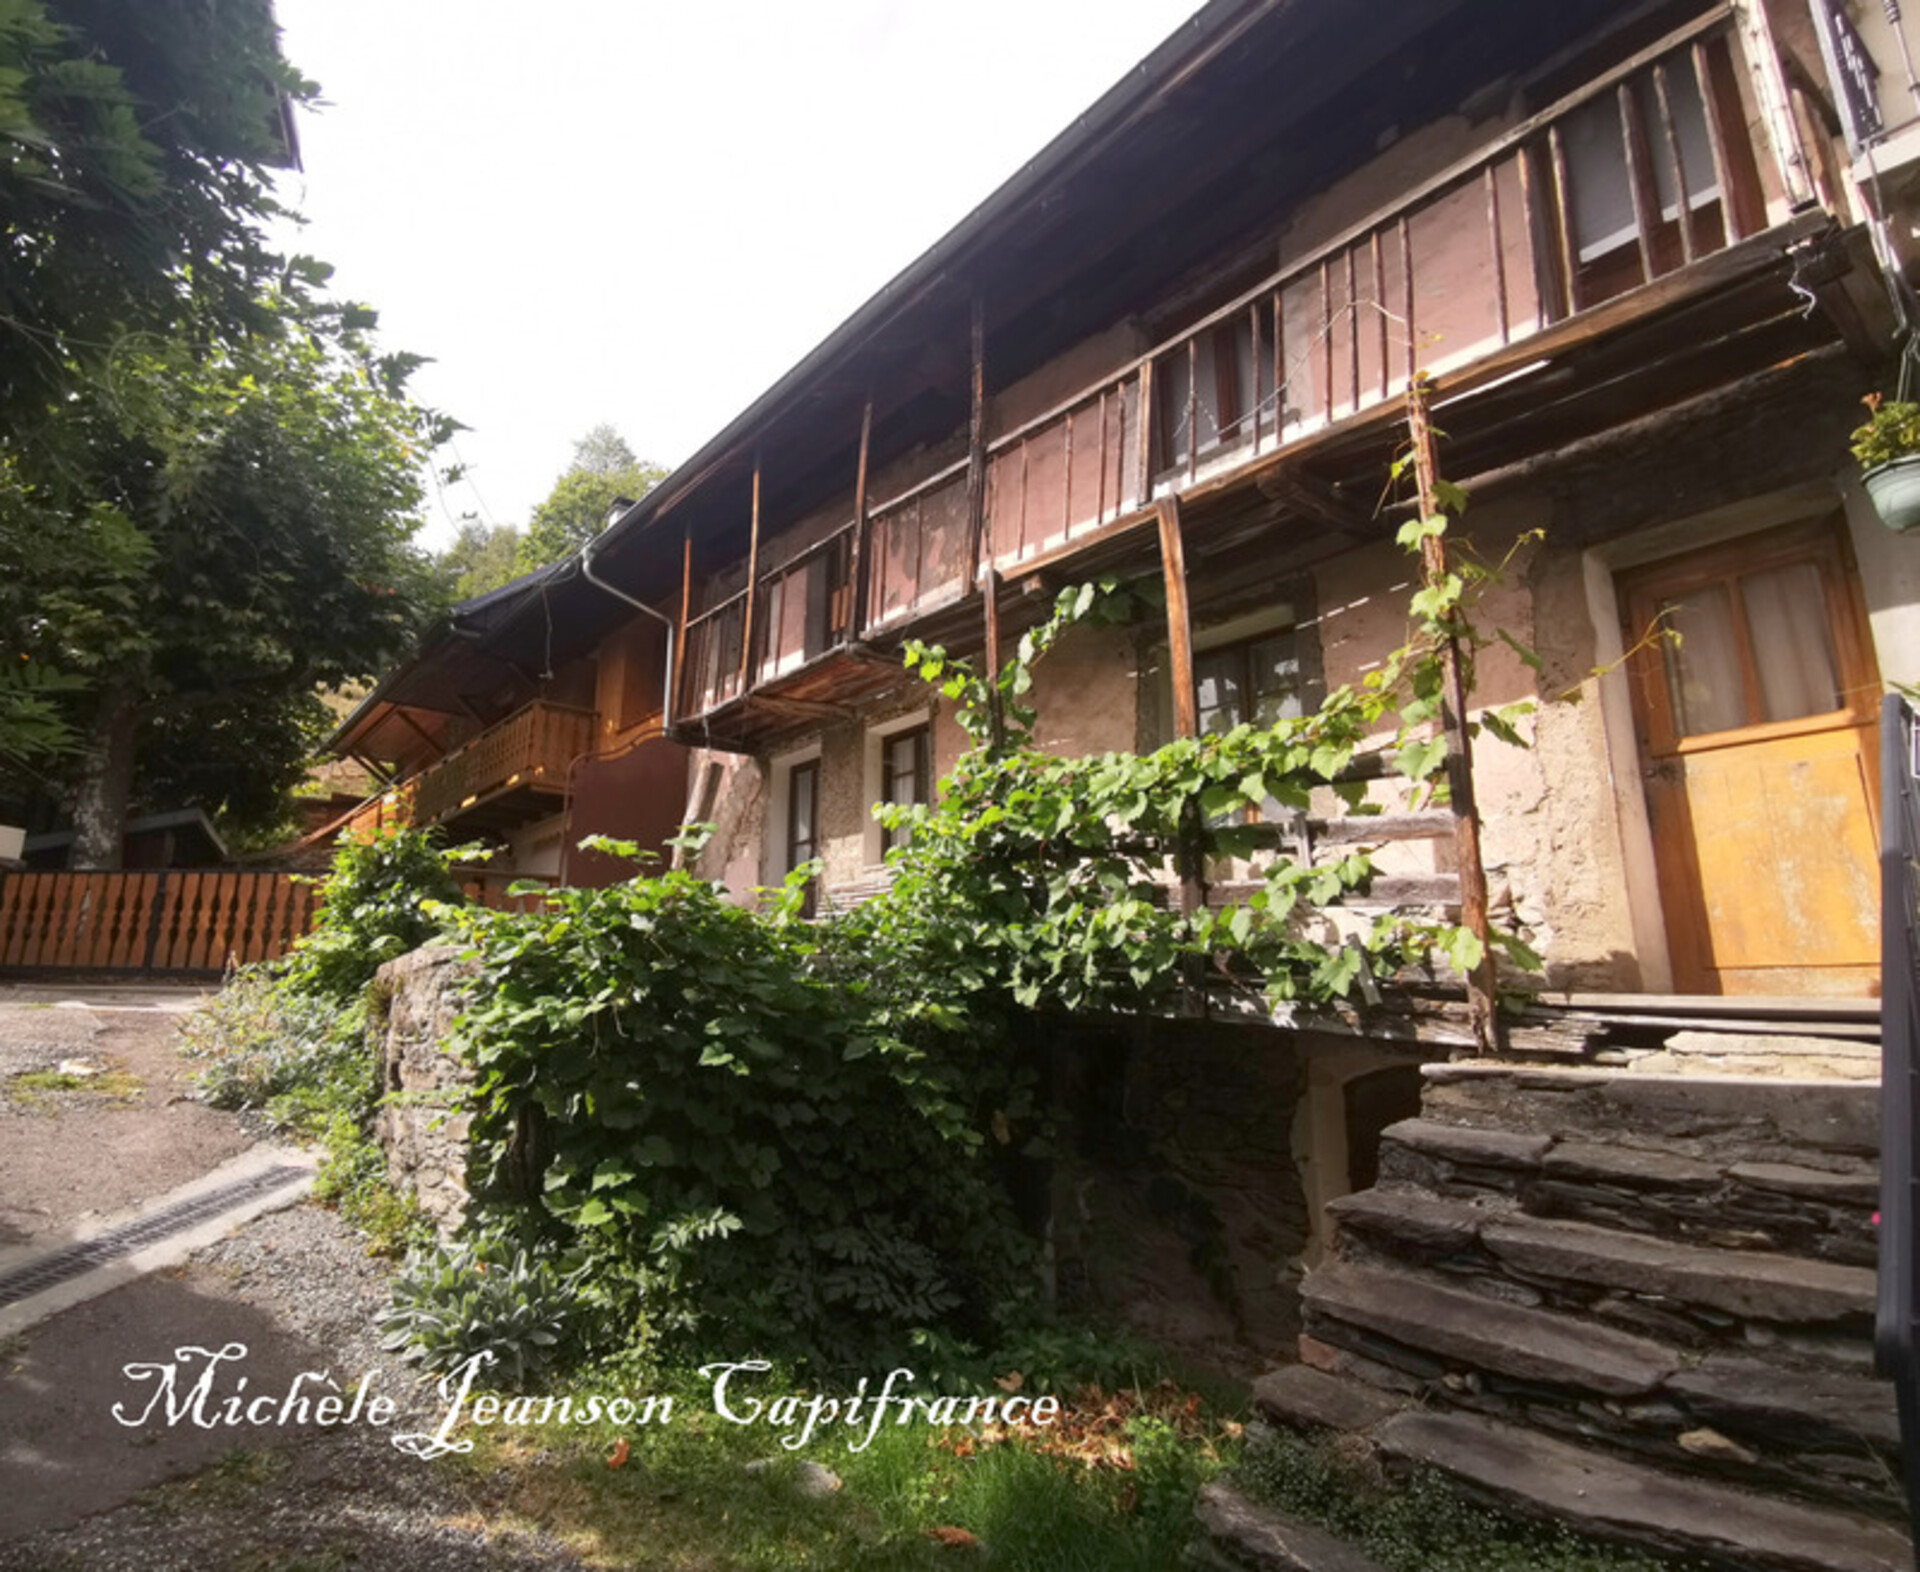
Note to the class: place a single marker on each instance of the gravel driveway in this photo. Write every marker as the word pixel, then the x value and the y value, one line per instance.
pixel 79 1489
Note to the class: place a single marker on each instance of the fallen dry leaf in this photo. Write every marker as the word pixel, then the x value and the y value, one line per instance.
pixel 955 1538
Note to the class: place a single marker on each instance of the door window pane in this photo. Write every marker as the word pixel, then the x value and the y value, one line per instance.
pixel 1792 643
pixel 1704 684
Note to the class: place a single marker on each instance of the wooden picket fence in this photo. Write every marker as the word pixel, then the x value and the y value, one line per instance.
pixel 157 921
pixel 171 921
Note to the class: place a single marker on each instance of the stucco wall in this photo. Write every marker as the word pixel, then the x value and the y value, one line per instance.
pixel 1551 840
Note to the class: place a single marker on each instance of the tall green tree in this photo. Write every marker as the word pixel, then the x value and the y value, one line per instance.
pixel 138 144
pixel 603 470
pixel 209 534
pixel 481 558
pixel 208 479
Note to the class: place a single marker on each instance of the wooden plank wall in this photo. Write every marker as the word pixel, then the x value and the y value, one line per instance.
pixel 175 920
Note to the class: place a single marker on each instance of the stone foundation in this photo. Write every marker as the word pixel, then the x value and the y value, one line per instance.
pixel 426 1141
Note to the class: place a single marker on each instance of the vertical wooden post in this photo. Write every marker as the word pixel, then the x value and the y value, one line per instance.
pixel 857 556
pixel 680 637
pixel 1146 417
pixel 1188 858
pixel 753 575
pixel 981 543
pixel 1481 1000
pixel 1173 564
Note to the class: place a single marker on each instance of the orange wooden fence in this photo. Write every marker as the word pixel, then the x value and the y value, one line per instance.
pixel 173 920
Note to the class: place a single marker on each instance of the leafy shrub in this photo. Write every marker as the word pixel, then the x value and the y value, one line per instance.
pixel 485 1294
pixel 263 1046
pixel 374 906
pixel 740 1139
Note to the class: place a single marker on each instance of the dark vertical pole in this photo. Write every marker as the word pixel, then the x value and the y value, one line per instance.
pixel 981 550
pixel 680 637
pixel 1147 418
pixel 856 575
pixel 1481 1000
pixel 1563 219
pixel 753 574
pixel 1676 161
pixel 1639 178
pixel 1499 247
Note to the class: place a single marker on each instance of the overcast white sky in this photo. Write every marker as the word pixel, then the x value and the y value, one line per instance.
pixel 643 213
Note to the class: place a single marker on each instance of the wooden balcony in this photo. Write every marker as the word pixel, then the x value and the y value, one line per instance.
pixel 1629 202
pixel 510 774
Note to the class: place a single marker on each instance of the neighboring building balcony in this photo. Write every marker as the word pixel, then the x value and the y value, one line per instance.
pixel 1521 271
pixel 509 775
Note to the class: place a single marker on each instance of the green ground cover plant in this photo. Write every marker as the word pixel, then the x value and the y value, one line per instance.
pixel 1419 1523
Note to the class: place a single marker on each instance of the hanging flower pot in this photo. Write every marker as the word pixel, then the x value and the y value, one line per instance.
pixel 1888 448
pixel 1894 490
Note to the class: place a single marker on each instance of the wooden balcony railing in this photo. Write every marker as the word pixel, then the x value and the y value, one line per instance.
pixel 532 747
pixel 1645 169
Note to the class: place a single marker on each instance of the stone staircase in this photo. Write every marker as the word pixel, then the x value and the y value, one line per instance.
pixel 1634 1297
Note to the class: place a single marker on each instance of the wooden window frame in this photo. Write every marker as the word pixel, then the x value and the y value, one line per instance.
pixel 1821 542
pixel 920 736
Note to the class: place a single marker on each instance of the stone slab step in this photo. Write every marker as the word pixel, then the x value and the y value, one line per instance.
pixel 1299 1395
pixel 1485 1334
pixel 1772 1403
pixel 1422 1223
pixel 1244 1534
pixel 1756 1285
pixel 1752 1284
pixel 1744 1116
pixel 1543 1477
pixel 1467 1144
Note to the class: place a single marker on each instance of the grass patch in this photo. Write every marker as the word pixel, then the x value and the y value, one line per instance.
pixel 1421 1523
pixel 37 1088
pixel 1109 1489
pixel 354 1181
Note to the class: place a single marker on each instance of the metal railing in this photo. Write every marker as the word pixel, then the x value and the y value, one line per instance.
pixel 1897 1315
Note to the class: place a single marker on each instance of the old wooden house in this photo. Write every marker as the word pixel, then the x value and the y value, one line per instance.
pixel 1650 260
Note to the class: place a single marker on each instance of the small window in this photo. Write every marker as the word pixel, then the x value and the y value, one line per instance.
pixel 1254 682
pixel 803 819
pixel 905 775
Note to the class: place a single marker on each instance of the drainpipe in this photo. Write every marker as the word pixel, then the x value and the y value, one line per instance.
pixel 619 508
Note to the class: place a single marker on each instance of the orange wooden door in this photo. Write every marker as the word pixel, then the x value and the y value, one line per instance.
pixel 1758 750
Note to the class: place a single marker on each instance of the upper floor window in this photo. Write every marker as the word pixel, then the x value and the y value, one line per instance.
pixel 906 770
pixel 1252 682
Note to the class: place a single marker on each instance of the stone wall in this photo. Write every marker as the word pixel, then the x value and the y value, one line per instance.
pixel 426 1141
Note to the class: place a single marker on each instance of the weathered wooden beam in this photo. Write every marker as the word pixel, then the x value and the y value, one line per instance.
pixel 1312 498
pixel 1173 564
pixel 1188 862
pixel 1472 872
pixel 412 725
pixel 680 632
pixel 981 551
pixel 856 555
pixel 753 574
